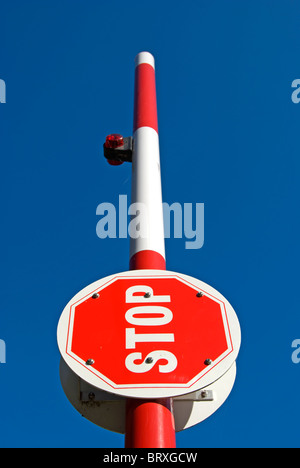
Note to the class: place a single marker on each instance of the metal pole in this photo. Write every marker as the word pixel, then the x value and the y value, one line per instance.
pixel 149 423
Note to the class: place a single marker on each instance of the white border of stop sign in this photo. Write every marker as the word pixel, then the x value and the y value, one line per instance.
pixel 166 360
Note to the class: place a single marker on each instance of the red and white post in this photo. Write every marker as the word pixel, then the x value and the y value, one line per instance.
pixel 149 251
pixel 149 423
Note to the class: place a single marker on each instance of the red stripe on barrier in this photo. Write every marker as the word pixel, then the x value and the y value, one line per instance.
pixel 150 424
pixel 145 109
pixel 147 259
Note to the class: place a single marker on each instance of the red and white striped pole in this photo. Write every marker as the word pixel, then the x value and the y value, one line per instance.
pixel 147 252
pixel 149 423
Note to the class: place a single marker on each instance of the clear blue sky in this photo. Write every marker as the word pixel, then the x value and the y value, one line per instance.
pixel 229 138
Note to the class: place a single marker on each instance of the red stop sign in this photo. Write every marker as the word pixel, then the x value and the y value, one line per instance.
pixel 149 334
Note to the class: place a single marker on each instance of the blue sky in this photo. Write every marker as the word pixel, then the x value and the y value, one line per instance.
pixel 228 138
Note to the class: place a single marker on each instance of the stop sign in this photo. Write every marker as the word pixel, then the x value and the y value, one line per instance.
pixel 149 333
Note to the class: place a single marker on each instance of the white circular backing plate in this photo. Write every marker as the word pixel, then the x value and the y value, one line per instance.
pixel 108 411
pixel 206 377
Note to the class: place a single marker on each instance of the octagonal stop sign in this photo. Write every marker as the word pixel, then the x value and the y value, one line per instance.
pixel 149 333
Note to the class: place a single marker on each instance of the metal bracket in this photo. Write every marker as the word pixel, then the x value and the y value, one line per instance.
pixel 200 395
pixel 98 395
pixel 93 394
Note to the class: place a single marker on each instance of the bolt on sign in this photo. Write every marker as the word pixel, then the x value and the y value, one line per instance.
pixel 149 333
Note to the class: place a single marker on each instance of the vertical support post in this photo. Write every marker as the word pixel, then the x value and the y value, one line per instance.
pixel 147 251
pixel 149 423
